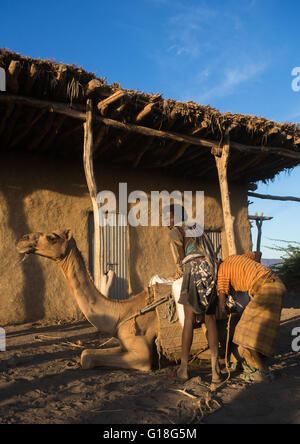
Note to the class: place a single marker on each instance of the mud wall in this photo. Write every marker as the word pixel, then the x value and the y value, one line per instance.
pixel 42 194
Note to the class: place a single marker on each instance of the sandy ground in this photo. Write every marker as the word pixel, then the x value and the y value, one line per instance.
pixel 41 382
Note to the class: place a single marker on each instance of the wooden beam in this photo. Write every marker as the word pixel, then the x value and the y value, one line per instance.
pixel 23 134
pixel 267 196
pixel 142 152
pixel 145 112
pixel 222 164
pixel 177 155
pixel 91 183
pixel 58 123
pixel 265 149
pixel 259 222
pixel 100 136
pixel 9 110
pixel 13 72
pixel 104 104
pixel 259 217
pixel 62 108
pixel 45 129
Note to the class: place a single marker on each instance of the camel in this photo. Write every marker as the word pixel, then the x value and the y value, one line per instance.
pixel 136 344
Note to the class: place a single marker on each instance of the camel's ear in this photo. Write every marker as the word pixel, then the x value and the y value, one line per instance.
pixel 68 234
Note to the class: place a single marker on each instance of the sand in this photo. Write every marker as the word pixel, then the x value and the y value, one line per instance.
pixel 41 382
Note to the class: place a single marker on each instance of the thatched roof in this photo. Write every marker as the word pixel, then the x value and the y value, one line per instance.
pixel 24 127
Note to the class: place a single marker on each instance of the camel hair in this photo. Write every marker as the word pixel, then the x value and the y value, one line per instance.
pixel 136 345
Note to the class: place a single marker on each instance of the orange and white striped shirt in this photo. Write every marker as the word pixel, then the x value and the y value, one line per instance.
pixel 240 272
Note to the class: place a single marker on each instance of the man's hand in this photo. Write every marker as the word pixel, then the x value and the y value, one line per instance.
pixel 179 272
pixel 221 307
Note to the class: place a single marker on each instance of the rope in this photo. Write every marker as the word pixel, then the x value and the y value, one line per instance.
pixel 226 353
pixel 144 310
pixel 23 259
pixel 227 346
pixel 171 312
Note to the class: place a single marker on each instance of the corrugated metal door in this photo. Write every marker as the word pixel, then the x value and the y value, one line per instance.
pixel 215 237
pixel 115 252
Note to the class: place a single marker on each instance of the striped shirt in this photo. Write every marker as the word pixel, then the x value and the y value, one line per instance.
pixel 240 272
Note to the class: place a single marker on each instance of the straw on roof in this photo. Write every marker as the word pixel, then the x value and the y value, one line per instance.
pixel 23 127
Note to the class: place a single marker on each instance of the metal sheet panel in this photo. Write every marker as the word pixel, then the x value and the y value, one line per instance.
pixel 215 237
pixel 115 253
pixel 115 248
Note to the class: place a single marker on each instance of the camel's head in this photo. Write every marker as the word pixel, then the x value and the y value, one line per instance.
pixel 53 245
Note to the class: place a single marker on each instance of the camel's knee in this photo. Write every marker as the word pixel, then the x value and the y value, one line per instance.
pixel 86 360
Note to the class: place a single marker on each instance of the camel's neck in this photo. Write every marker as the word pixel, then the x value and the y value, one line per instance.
pixel 100 311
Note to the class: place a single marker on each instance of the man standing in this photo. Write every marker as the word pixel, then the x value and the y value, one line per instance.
pixel 196 261
pixel 257 331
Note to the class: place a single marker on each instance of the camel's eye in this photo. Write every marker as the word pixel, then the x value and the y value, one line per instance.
pixel 52 239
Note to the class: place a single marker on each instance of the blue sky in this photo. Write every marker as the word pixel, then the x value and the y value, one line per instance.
pixel 234 55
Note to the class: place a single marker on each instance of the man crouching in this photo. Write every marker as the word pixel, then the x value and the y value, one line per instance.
pixel 256 333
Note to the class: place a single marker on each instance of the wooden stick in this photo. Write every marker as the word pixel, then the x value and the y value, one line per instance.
pixel 91 183
pixel 23 134
pixel 259 222
pixel 101 134
pixel 142 152
pixel 222 163
pixel 55 130
pixel 42 133
pixel 104 104
pixel 267 196
pixel 145 112
pixel 13 75
pixel 177 155
pixel 62 108
pixel 9 110
pixel 10 126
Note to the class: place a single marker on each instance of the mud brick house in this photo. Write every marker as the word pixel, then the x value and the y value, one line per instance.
pixel 140 139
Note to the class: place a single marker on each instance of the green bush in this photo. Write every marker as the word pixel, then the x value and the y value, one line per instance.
pixel 289 267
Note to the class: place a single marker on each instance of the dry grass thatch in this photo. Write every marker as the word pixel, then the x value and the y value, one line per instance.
pixel 48 80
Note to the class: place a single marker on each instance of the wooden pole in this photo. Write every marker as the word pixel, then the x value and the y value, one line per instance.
pixel 91 183
pixel 222 163
pixel 259 221
pixel 267 196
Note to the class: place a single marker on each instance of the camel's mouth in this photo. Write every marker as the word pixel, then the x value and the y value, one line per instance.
pixel 25 248
pixel 26 245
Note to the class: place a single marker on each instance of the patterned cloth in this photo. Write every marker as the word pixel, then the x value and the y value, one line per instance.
pixel 197 258
pixel 241 272
pixel 199 286
pixel 259 325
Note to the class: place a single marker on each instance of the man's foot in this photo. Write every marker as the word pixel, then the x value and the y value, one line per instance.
pixel 182 372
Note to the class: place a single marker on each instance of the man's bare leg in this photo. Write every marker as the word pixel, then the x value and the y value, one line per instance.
pixel 213 343
pixel 187 339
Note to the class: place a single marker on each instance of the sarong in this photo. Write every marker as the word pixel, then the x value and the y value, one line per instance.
pixel 259 325
pixel 198 287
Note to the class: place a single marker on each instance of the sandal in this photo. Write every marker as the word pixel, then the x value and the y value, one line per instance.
pixel 248 368
pixel 257 376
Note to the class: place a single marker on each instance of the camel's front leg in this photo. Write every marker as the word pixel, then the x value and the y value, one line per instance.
pixel 135 354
